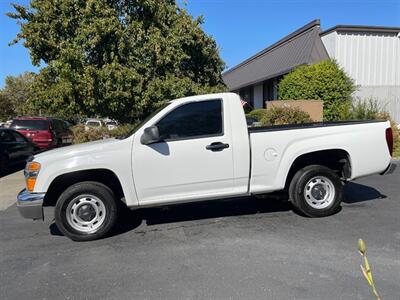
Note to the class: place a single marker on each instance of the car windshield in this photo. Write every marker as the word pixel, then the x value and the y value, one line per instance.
pixel 93 123
pixel 30 125
pixel 111 123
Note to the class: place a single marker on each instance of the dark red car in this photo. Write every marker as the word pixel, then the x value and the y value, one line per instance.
pixel 46 132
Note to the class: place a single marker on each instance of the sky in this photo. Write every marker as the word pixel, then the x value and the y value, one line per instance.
pixel 241 28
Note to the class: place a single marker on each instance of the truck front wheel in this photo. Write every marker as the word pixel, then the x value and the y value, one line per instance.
pixel 86 211
pixel 316 191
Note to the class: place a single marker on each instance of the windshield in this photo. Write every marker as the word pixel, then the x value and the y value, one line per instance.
pixel 111 123
pixel 30 125
pixel 140 124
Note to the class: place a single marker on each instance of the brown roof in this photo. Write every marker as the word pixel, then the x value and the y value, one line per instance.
pixel 304 46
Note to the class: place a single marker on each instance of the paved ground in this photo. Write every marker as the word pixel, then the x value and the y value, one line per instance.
pixel 10 185
pixel 239 249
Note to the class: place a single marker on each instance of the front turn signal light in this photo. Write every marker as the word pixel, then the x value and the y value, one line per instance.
pixel 33 166
pixel 30 184
pixel 31 172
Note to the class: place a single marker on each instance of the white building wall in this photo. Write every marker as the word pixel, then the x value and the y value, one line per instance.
pixel 373 61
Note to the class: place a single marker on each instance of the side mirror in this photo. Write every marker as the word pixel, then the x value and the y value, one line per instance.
pixel 150 136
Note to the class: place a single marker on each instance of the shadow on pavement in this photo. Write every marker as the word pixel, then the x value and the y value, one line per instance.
pixel 199 211
pixel 355 192
pixel 129 220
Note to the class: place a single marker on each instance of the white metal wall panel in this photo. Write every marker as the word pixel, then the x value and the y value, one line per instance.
pixel 372 59
pixel 329 41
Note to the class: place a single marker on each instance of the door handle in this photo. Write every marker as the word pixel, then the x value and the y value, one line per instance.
pixel 217 146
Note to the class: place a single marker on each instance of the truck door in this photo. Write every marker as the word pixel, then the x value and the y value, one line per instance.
pixel 194 159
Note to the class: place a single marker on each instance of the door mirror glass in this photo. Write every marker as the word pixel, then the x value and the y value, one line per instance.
pixel 150 136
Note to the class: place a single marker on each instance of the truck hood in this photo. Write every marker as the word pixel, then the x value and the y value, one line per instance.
pixel 77 150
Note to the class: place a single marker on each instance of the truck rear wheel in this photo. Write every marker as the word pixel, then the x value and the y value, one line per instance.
pixel 86 211
pixel 316 191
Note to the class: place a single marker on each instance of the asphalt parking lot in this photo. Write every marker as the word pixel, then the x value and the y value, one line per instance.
pixel 240 249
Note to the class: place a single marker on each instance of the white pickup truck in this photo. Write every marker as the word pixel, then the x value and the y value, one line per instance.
pixel 200 148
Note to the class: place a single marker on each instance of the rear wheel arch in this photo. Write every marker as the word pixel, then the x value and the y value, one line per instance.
pixel 64 181
pixel 337 160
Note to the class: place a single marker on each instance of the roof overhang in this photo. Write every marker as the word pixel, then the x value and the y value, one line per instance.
pixel 303 46
pixel 360 28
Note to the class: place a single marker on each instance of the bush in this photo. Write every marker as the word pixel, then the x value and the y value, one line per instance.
pixel 370 110
pixel 323 81
pixel 80 135
pixel 257 114
pixel 364 110
pixel 285 115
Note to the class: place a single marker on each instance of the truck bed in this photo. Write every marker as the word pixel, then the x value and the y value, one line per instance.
pixel 309 125
pixel 275 148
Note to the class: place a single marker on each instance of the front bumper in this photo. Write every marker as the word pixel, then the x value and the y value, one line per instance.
pixel 30 205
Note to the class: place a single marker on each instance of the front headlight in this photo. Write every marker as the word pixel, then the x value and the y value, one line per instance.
pixel 31 172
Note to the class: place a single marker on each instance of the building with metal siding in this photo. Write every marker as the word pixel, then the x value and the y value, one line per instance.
pixel 256 78
pixel 369 54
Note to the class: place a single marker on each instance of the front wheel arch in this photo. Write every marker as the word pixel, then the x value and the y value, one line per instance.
pixel 63 181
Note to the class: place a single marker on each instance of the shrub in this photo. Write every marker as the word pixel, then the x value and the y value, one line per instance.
pixel 370 110
pixel 285 115
pixel 364 110
pixel 323 81
pixel 257 114
pixel 80 135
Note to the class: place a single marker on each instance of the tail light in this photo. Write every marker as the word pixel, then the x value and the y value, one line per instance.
pixel 389 140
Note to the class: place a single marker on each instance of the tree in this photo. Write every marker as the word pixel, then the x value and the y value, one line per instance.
pixel 6 111
pixel 323 81
pixel 14 97
pixel 116 58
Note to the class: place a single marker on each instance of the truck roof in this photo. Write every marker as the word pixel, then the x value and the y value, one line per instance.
pixel 203 97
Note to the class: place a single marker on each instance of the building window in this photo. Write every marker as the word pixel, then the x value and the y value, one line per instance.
pixel 247 95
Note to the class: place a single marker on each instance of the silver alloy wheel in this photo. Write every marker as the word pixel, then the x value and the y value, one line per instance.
pixel 86 213
pixel 319 192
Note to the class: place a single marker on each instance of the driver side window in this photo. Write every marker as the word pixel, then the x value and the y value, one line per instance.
pixel 191 120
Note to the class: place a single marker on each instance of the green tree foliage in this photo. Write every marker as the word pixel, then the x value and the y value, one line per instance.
pixel 323 81
pixel 116 58
pixel 14 97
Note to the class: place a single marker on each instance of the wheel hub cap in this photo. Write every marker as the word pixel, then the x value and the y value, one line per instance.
pixel 86 213
pixel 319 192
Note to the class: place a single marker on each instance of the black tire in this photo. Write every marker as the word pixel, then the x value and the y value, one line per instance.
pixel 313 175
pixel 87 190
